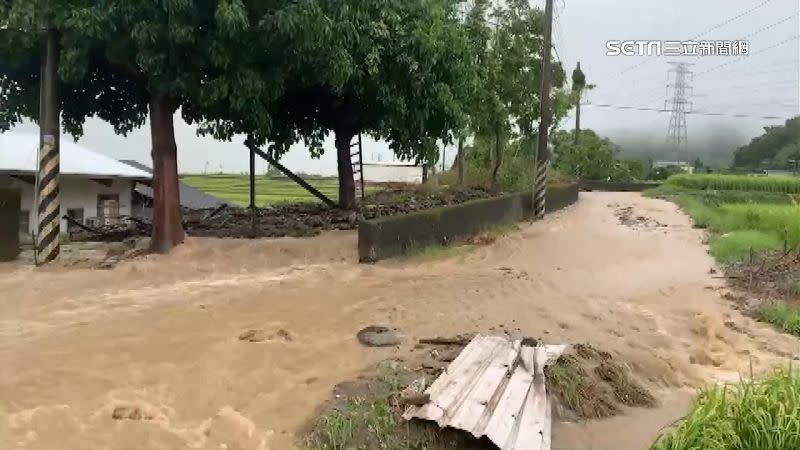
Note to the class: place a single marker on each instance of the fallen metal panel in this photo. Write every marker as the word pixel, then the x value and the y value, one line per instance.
pixel 494 388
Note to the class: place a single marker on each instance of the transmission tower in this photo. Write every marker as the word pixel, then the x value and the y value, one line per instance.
pixel 680 105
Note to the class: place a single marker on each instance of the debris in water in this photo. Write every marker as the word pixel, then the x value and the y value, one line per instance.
pixel 128 412
pixel 253 336
pixel 494 388
pixel 378 336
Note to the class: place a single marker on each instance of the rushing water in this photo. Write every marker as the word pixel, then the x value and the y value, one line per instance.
pixel 159 335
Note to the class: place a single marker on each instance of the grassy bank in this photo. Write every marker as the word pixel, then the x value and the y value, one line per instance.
pixel 743 214
pixel 762 415
pixel 789 185
pixel 753 224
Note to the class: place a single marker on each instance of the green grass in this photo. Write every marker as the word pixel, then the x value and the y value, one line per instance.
pixel 784 184
pixel 269 191
pixel 736 229
pixel 737 245
pixel 718 197
pixel 763 415
pixel 784 316
pixel 371 420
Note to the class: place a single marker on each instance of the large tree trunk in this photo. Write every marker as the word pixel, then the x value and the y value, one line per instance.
pixel 167 215
pixel 462 153
pixel 347 187
pixel 498 154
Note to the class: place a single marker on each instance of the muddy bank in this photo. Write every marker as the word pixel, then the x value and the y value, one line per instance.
pixel 162 334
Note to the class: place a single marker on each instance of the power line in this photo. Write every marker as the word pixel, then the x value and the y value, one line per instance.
pixel 719 25
pixel 785 41
pixel 756 86
pixel 695 113
pixel 771 26
pixel 732 19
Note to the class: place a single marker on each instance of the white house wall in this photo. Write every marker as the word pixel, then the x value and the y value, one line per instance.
pixel 377 173
pixel 76 192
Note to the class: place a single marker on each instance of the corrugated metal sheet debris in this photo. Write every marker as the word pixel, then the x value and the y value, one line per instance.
pixel 495 388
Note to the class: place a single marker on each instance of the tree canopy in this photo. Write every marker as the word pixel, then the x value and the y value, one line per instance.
pixel 397 70
pixel 593 158
pixel 121 60
pixel 507 104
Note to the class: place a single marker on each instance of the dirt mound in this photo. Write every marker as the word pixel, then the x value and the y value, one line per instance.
pixel 588 384
pixel 773 275
pixel 309 219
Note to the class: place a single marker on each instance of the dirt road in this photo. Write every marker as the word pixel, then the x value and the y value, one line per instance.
pixel 159 336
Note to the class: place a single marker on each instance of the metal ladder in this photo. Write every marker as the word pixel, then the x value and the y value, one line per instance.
pixel 357 161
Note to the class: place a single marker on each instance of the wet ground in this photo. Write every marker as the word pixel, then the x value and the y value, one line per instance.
pixel 150 354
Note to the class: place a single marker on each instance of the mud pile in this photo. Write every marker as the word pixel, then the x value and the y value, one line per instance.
pixel 309 219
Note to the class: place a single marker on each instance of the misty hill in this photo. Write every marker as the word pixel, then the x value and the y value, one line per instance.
pixel 714 147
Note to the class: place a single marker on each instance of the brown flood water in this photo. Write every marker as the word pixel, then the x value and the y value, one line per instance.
pixel 161 333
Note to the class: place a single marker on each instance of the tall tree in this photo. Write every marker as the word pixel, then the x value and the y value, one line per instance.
pixel 508 102
pixel 121 60
pixel 397 70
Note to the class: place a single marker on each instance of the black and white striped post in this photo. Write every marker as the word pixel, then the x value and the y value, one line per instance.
pixel 48 245
pixel 540 187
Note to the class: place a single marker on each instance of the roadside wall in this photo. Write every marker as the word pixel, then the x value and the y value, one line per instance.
pixel 9 223
pixel 388 237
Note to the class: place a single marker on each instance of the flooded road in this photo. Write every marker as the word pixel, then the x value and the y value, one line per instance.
pixel 160 335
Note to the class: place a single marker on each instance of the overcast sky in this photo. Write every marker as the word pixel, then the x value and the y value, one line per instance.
pixel 766 83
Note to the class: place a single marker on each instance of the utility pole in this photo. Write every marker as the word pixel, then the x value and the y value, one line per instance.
pixel 48 245
pixel 252 206
pixel 680 105
pixel 252 178
pixel 542 159
pixel 578 85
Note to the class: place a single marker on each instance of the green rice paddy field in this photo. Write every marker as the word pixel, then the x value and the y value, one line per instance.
pixel 269 191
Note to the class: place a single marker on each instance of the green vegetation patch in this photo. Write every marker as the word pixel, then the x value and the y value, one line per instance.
pixel 786 317
pixel 368 415
pixel 755 415
pixel 739 245
pixel 784 184
pixel 740 222
pixel 269 191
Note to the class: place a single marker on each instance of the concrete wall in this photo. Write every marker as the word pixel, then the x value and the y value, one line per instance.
pixel 392 173
pixel 9 223
pixel 389 237
pixel 76 192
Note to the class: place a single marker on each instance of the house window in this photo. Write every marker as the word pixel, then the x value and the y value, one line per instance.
pixel 24 221
pixel 77 215
pixel 108 209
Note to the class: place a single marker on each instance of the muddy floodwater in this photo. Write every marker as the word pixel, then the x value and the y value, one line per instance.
pixel 148 355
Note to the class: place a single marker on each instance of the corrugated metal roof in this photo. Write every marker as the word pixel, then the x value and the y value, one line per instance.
pixel 495 388
pixel 19 152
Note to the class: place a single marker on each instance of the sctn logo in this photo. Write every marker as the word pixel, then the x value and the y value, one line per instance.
pixel 631 48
